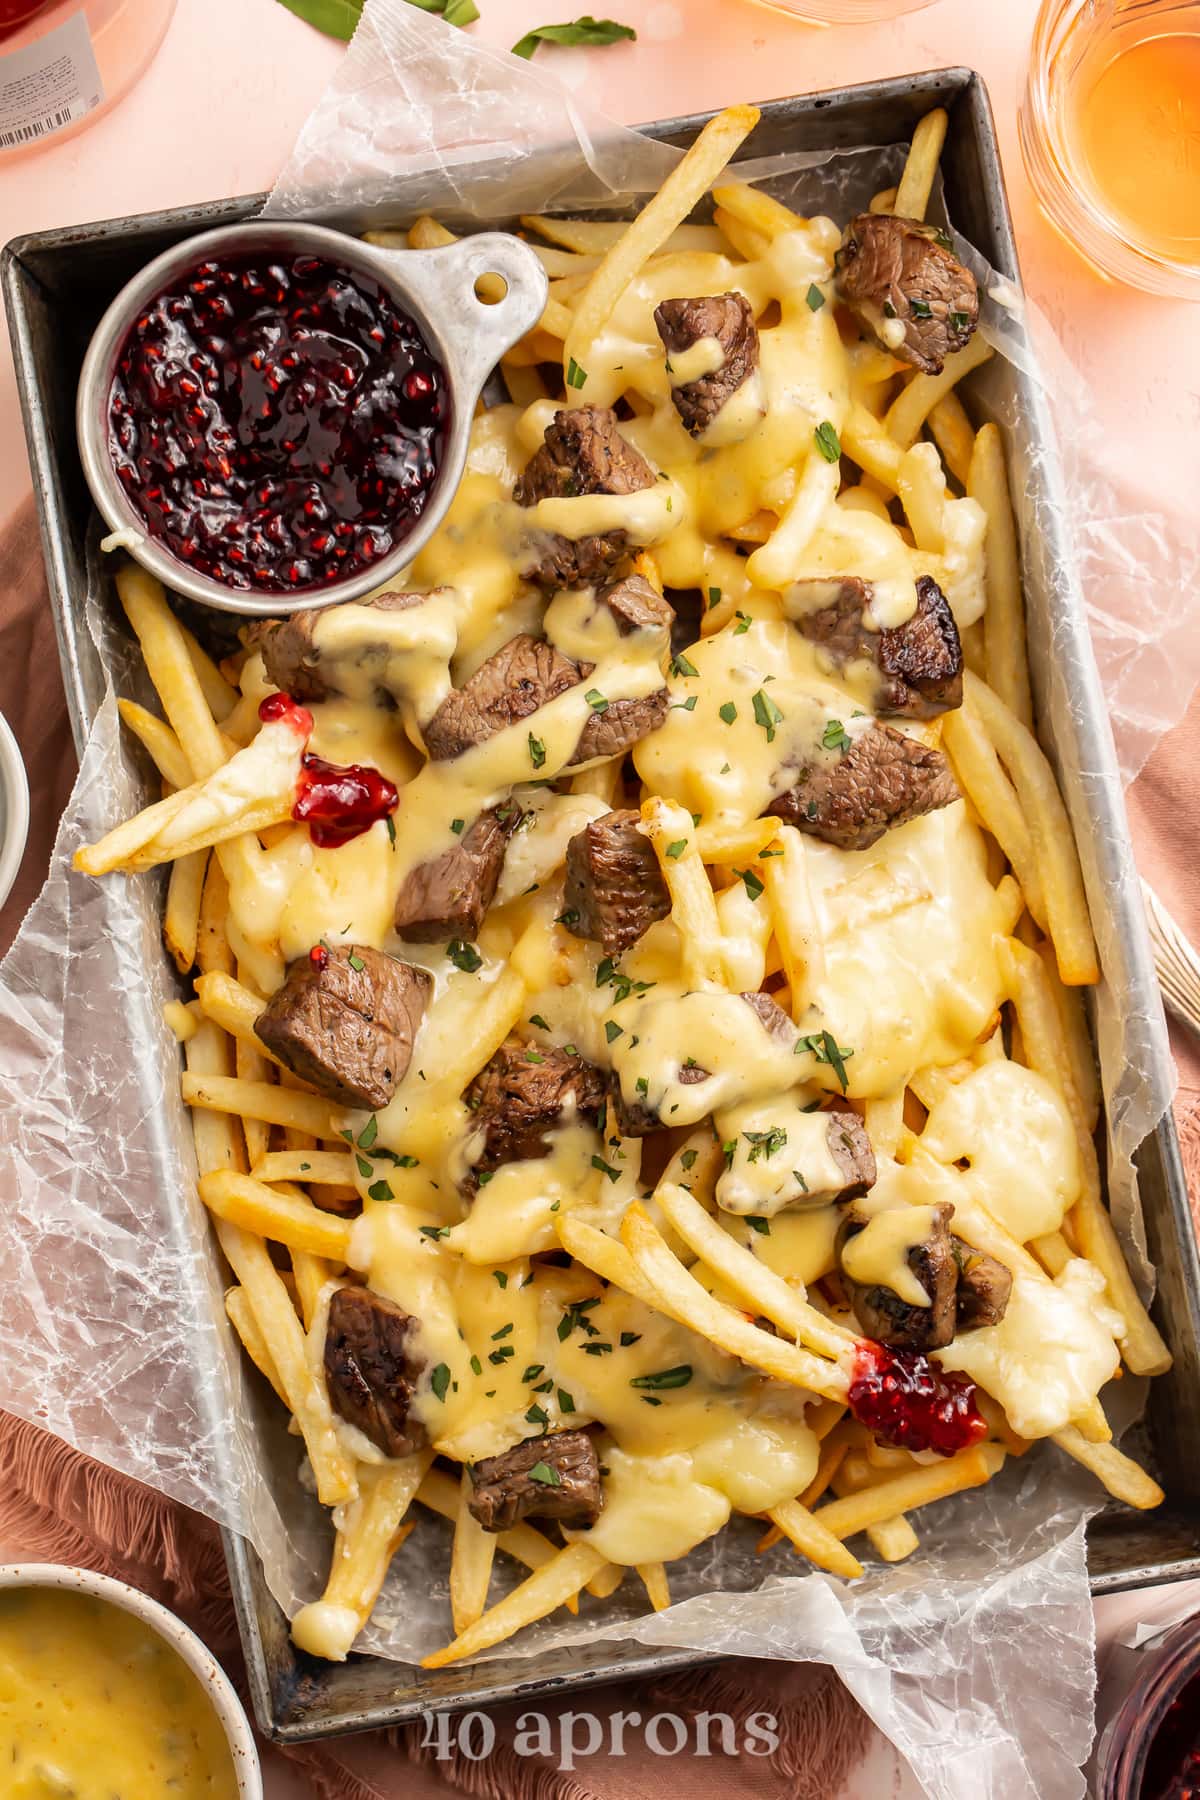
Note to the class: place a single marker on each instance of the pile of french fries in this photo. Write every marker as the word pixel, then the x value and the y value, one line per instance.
pixel 265 1145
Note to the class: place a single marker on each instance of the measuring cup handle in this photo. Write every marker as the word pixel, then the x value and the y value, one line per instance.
pixel 453 286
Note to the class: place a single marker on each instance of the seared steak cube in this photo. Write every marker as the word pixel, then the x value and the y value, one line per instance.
pixel 850 1148
pixel 636 606
pixel 907 288
pixel 882 779
pixel 522 675
pixel 345 1020
pixel 583 453
pixel 523 1094
pixel 448 896
pixel 621 725
pixel 291 648
pixel 984 1286
pixel 728 319
pixel 614 887
pixel 551 1477
pixel 882 1313
pixel 920 662
pixel 372 1368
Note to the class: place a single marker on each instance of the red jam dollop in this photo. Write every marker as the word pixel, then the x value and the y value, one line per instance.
pixel 907 1401
pixel 339 803
pixel 278 425
pixel 279 707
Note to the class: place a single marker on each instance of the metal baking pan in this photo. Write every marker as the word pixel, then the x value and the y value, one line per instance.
pixel 57 284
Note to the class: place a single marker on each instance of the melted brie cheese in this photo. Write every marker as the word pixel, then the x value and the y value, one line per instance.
pixel 1015 1134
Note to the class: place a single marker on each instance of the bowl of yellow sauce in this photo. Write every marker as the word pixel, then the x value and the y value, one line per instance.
pixel 105 1695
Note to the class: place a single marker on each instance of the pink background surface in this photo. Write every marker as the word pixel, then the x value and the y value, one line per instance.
pixel 219 107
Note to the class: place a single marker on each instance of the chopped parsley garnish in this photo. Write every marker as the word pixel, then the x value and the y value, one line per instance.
pixel 504 1331
pixel 464 956
pixel 369 1132
pixel 484 1176
pixel 476 1366
pixel 959 321
pixel 677 1377
pixel 642 1085
pixel 767 714
pixel 889 311
pixel 534 1056
pixel 597 1348
pixel 729 1151
pixel 728 712
pixel 681 666
pixel 566 1402
pixel 501 1355
pixel 765 1143
pixel 835 736
pixel 920 309
pixel 754 886
pixel 744 623
pixel 827 441
pixel 814 298
pixel 356 963
pixel 596 700
pixel 800 1181
pixel 456 826
pixel 543 1473
pixel 612 1030
pixel 676 850
pixel 537 1415
pixel 568 918
pixel 365 1169
pixel 622 985
pixel 537 1019
pixel 630 1337
pixel 575 1319
pixel 714 597
pixel 537 751
pixel 533 1371
pixel 380 1190
pixel 434 1231
pixel 824 1046
pixel 391 830
pixel 501 1276
pixel 688 1159
pixel 598 1162
pixel 439 1380
pixel 688 705
pixel 576 377
pixel 756 1222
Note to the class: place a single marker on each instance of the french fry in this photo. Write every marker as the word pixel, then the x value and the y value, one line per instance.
pixel 827 1465
pixel 281 1217
pixel 1004 616
pixel 241 1317
pixel 814 1540
pixel 595 237
pixel 181 920
pixel 743 238
pixel 913 405
pixel 312 1274
pixel 1124 1479
pixel 994 798
pixel 159 740
pixel 543 1591
pixel 523 1542
pixel 471 1561
pixel 260 1100
pixel 916 183
pixel 905 1493
pixel 954 436
pixel 523 381
pixel 774 563
pixel 693 906
pixel 1081 1055
pixel 735 843
pixel 251 1064
pixel 884 201
pixel 865 441
pixel 756 1285
pixel 658 1588
pixel 758 209
pixel 170 667
pixel 1091 1424
pixel 922 491
pixel 232 1006
pixel 220 695
pixel 687 183
pixel 893 1539
pixel 793 915
pixel 1052 1251
pixel 319 1168
pixel 685 1299
pixel 213 951
pixel 371 1533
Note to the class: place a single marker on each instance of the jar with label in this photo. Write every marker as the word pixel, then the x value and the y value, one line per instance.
pixel 64 62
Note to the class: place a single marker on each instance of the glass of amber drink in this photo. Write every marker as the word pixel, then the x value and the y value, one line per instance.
pixel 845 12
pixel 1110 131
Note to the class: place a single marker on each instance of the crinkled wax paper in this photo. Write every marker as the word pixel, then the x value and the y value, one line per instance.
pixel 976 1655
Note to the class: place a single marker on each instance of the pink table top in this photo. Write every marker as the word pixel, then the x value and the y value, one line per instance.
pixel 219 108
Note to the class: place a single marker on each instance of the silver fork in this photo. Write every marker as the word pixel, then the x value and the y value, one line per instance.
pixel 1175 958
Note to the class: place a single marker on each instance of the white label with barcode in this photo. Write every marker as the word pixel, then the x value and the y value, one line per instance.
pixel 48 84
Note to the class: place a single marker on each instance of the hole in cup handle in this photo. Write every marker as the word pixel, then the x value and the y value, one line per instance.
pixel 490 290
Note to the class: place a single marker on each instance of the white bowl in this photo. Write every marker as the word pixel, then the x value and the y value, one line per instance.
pixel 173 1631
pixel 14 809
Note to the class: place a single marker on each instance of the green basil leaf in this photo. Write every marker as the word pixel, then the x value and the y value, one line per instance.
pixel 585 30
pixel 336 18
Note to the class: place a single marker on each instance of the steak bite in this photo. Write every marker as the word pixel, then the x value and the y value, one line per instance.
pixel 448 896
pixel 882 1313
pixel 879 779
pixel 291 648
pixel 372 1368
pixel 984 1286
pixel 920 663
pixel 850 1148
pixel 636 606
pixel 614 886
pixel 620 725
pixel 583 453
pixel 905 285
pixel 514 682
pixel 345 1021
pixel 729 321
pixel 551 1477
pixel 523 1094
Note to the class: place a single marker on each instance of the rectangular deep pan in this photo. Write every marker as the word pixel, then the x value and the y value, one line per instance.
pixel 57 284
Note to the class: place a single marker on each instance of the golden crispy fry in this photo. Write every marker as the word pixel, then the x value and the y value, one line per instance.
pixel 773 563
pixel 523 1542
pixel 748 242
pixel 1004 618
pixel 693 906
pixel 261 1100
pixel 545 1589
pixel 286 1220
pixel 917 400
pixel 181 920
pixel 372 1531
pixel 814 1540
pixel 311 1274
pixel 241 1317
pixel 220 695
pixel 321 1168
pixel 954 436
pixel 687 183
pixel 470 1562
pixel 916 183
pixel 1123 1478
pixel 904 1493
pixel 994 798
pixel 159 740
pixel 654 1580
pixel 595 237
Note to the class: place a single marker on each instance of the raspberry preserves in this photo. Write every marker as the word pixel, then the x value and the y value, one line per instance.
pixel 908 1401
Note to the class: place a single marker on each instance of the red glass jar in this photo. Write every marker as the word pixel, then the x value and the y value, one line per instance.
pixel 1150 1748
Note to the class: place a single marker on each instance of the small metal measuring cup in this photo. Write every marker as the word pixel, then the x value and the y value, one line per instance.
pixel 437 288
